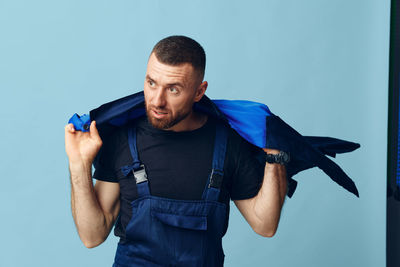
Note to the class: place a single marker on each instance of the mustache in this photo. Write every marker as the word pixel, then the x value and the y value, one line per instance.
pixel 157 109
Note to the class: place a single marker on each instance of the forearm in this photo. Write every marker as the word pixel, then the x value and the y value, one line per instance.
pixel 92 224
pixel 270 198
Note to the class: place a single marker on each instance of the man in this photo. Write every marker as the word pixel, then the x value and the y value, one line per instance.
pixel 169 210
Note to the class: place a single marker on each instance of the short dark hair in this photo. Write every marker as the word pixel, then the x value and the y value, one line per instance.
pixel 178 49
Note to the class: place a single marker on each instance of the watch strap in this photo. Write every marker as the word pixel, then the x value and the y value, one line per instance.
pixel 280 158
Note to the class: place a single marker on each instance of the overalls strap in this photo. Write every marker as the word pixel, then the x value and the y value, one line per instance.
pixel 213 186
pixel 138 169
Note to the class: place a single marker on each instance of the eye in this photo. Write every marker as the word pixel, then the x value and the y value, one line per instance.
pixel 173 90
pixel 151 83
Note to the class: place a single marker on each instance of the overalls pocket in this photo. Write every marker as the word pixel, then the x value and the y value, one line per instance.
pixel 184 236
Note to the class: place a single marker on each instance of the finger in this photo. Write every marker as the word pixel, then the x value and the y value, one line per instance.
pixel 271 151
pixel 69 134
pixel 93 131
pixel 70 128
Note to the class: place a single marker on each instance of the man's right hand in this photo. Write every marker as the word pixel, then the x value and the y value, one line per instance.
pixel 82 147
pixel 94 208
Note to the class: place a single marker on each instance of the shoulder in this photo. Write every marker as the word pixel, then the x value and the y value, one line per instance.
pixel 244 166
pixel 237 144
pixel 114 142
pixel 243 156
pixel 116 137
pixel 119 135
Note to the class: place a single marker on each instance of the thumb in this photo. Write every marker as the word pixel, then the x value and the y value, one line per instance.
pixel 93 131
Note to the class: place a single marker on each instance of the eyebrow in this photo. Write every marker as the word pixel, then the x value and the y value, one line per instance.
pixel 169 84
pixel 149 78
pixel 174 84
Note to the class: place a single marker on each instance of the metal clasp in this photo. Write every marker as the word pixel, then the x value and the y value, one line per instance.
pixel 140 174
pixel 215 179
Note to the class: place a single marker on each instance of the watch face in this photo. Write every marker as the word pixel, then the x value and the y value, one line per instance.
pixel 285 157
pixel 269 158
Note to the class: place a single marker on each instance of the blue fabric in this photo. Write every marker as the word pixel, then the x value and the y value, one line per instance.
pixel 217 172
pixel 168 232
pixel 304 155
pixel 398 143
pixel 132 146
pixel 81 123
pixel 247 118
pixel 253 121
pixel 220 149
pixel 143 189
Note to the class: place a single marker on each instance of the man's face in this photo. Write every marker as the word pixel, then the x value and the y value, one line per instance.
pixel 170 92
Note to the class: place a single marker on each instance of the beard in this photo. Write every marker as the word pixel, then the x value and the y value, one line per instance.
pixel 167 122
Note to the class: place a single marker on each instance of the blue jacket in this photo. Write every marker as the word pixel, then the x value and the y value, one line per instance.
pixel 253 121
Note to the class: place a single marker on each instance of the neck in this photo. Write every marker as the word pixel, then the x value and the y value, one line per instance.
pixel 192 122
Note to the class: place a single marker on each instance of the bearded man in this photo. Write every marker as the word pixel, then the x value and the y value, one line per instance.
pixel 171 207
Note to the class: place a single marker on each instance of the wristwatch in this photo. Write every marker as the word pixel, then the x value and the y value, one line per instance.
pixel 280 158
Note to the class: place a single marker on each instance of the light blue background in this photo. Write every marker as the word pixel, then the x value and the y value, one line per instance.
pixel 321 65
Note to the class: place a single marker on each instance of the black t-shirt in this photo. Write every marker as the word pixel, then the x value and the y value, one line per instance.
pixel 178 165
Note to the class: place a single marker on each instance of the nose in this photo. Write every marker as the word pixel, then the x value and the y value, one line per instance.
pixel 159 98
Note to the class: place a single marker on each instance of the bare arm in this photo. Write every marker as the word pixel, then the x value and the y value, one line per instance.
pixel 94 208
pixel 263 211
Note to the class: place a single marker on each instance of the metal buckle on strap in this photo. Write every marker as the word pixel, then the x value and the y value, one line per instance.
pixel 215 179
pixel 140 174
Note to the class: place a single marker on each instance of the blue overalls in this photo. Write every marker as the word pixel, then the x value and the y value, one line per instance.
pixel 169 232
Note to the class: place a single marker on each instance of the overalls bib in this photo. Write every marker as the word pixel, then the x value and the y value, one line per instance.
pixel 169 232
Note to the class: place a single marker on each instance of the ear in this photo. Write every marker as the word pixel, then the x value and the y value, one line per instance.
pixel 200 91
